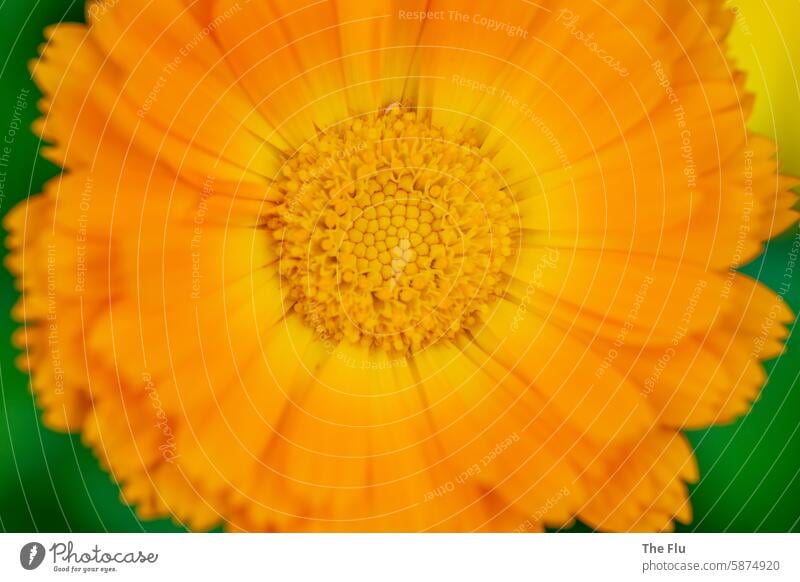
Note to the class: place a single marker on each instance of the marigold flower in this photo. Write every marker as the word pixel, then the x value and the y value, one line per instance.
pixel 398 266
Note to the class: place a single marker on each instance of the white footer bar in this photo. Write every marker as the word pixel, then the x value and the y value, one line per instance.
pixel 401 557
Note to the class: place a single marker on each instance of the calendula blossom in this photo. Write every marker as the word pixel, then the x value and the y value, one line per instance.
pixel 398 266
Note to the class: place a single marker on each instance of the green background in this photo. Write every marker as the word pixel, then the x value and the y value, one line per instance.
pixel 750 471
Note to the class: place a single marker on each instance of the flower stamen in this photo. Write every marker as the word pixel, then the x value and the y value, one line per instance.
pixel 392 232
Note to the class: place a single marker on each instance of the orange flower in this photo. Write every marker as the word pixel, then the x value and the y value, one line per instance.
pixel 401 266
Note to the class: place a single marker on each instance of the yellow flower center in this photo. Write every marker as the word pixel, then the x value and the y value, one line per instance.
pixel 392 232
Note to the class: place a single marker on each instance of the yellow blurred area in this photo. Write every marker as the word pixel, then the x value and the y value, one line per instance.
pixel 766 44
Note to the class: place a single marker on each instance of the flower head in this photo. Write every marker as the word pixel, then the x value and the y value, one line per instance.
pixel 398 265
